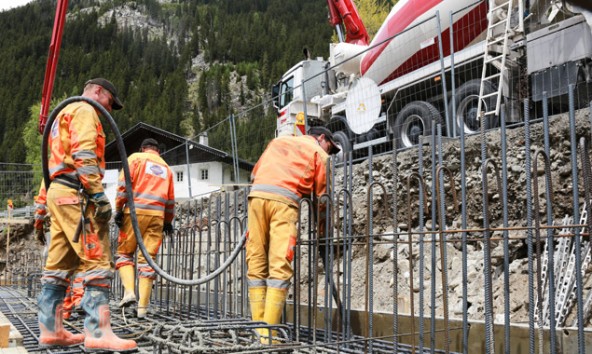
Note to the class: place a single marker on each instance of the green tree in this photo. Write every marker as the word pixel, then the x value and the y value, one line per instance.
pixel 32 139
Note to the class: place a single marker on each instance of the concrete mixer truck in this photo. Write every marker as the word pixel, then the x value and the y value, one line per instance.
pixel 457 63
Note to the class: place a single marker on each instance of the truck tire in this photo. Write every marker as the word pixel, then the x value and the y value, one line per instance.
pixel 466 101
pixel 344 143
pixel 414 120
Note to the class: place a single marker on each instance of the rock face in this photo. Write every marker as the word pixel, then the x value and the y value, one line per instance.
pixel 24 251
pixel 384 224
pixel 131 16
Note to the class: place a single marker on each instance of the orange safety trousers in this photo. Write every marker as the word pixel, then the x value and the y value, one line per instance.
pixel 90 257
pixel 74 294
pixel 151 229
pixel 270 245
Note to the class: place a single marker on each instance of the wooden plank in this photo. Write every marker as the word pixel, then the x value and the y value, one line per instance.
pixel 14 350
pixel 4 334
pixel 10 337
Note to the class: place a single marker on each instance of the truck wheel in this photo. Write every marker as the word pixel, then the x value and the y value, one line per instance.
pixel 466 101
pixel 414 120
pixel 342 140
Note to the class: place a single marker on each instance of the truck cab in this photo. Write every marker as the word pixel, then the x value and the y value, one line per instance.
pixel 305 79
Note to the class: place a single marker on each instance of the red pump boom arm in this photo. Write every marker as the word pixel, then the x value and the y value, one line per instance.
pixel 52 61
pixel 344 12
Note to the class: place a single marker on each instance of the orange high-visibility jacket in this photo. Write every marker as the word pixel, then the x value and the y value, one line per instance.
pixel 290 168
pixel 77 144
pixel 152 185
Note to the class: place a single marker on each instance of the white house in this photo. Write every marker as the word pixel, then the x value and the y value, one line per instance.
pixel 198 169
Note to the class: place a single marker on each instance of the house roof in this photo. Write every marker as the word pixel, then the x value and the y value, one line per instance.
pixel 172 147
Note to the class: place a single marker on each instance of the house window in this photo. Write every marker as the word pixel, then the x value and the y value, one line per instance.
pixel 204 174
pixel 180 176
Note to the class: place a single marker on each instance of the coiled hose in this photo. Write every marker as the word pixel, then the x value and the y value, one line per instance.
pixel 128 189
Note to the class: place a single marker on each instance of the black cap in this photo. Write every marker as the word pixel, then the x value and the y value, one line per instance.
pixel 149 142
pixel 318 131
pixel 107 85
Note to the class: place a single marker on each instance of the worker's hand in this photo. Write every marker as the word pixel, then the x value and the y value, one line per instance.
pixel 38 222
pixel 118 218
pixel 102 207
pixel 40 236
pixel 39 228
pixel 167 229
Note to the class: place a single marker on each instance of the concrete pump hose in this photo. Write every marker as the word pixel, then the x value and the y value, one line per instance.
pixel 128 189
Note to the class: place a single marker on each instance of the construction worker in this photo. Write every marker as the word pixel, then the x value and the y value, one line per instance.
pixel 289 169
pixel 154 200
pixel 76 167
pixel 75 290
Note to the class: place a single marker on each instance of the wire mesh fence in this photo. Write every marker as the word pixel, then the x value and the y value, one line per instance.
pixel 17 185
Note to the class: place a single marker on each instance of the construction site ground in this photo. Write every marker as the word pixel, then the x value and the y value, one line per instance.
pixel 163 332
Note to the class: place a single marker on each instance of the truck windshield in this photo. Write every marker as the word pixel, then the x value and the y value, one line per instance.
pixel 286 92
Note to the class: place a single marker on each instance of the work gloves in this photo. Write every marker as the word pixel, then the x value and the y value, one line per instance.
pixel 167 229
pixel 118 218
pixel 102 207
pixel 39 231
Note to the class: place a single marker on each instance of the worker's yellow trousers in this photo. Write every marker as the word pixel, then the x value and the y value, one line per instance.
pixel 90 257
pixel 270 244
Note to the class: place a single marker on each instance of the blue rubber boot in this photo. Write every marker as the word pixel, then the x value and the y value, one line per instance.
pixel 97 324
pixel 52 332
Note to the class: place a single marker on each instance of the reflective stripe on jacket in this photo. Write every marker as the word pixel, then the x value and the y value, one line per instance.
pixel 77 144
pixel 290 168
pixel 152 185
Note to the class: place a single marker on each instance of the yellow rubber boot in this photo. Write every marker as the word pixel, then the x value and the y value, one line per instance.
pixel 128 280
pixel 274 306
pixel 145 287
pixel 257 296
pixel 257 302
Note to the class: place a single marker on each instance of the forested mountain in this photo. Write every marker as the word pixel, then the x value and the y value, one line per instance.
pixel 152 63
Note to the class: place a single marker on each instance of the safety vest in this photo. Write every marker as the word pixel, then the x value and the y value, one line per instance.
pixel 152 185
pixel 289 169
pixel 77 144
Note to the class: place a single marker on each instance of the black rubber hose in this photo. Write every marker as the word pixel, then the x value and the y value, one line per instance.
pixel 128 189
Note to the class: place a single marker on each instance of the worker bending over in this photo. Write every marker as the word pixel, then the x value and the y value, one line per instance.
pixel 154 200
pixel 289 169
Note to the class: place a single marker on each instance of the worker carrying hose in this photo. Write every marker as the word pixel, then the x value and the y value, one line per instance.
pixel 289 169
pixel 76 196
pixel 154 199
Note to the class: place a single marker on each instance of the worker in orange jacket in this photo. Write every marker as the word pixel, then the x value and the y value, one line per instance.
pixel 289 169
pixel 154 200
pixel 75 290
pixel 76 168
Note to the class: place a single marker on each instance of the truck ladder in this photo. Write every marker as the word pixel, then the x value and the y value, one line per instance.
pixel 498 36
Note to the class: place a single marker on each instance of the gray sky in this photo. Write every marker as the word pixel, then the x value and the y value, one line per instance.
pixel 8 4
